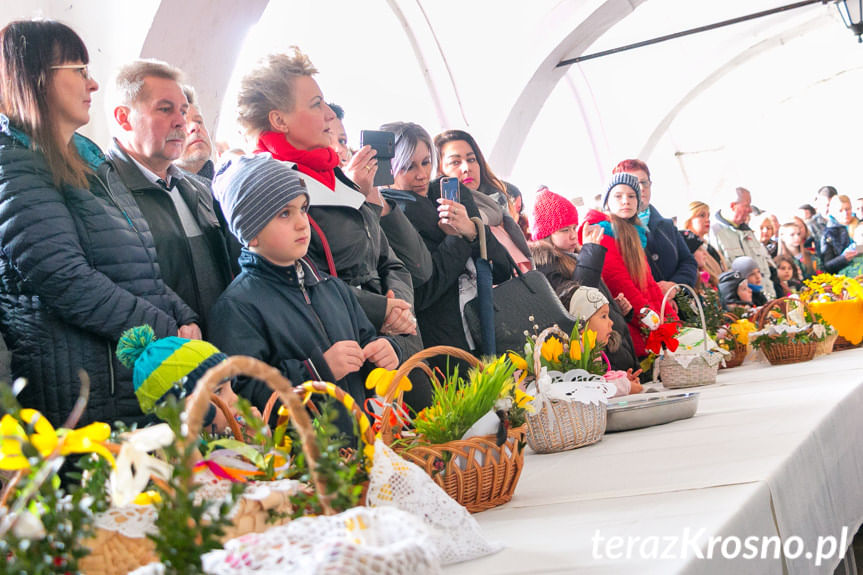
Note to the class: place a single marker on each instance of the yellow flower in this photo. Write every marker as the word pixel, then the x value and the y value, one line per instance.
pixel 380 380
pixel 575 351
pixel 147 498
pixel 589 339
pixel 741 330
pixel 518 361
pixel 552 349
pixel 46 440
pixel 12 434
pixel 523 400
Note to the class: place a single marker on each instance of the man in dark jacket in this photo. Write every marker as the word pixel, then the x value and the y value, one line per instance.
pixel 671 262
pixel 149 113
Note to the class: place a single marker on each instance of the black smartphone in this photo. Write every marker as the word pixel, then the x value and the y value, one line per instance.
pixel 384 143
pixel 449 189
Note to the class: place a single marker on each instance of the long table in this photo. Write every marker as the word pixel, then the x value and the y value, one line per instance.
pixel 772 460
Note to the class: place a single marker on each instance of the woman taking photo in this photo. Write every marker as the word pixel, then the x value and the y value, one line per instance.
pixel 626 269
pixel 459 157
pixel 448 233
pixel 77 261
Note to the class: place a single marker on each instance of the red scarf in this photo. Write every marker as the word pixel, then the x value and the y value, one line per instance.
pixel 317 163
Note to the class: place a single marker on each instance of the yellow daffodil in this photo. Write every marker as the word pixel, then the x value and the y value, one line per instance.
pixel 589 339
pixel 380 380
pixel 518 361
pixel 46 440
pixel 11 436
pixel 147 498
pixel 574 351
pixel 552 349
pixel 523 400
pixel 741 329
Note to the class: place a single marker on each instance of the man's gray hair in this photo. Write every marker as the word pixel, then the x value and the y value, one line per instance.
pixel 129 80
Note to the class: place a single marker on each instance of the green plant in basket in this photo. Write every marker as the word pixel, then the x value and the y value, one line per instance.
pixel 44 523
pixel 458 403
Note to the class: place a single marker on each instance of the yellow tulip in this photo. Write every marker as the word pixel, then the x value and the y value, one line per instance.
pixel 381 379
pixel 574 351
pixel 523 400
pixel 518 361
pixel 147 498
pixel 589 339
pixel 552 349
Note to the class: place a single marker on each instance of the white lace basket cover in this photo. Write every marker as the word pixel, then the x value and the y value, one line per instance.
pixel 569 410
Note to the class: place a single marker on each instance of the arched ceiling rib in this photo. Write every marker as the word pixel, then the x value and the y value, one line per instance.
pixel 536 91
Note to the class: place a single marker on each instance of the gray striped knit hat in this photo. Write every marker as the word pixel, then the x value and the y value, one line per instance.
pixel 626 179
pixel 252 190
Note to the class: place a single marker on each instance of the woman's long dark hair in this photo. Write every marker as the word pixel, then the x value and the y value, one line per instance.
pixel 629 244
pixel 485 173
pixel 28 49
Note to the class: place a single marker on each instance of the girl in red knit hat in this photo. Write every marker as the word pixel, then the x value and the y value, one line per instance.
pixel 554 225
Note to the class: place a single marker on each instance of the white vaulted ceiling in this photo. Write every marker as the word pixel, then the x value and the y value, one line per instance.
pixel 770 104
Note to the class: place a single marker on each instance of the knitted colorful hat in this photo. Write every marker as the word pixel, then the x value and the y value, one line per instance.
pixel 624 178
pixel 252 190
pixel 585 302
pixel 158 364
pixel 551 212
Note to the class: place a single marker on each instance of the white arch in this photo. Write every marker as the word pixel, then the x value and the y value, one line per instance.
pixel 543 81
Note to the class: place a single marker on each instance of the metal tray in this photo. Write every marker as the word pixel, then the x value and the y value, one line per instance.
pixel 645 410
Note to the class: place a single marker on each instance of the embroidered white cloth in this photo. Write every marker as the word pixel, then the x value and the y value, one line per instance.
pixel 360 541
pixel 574 385
pixel 691 346
pixel 454 532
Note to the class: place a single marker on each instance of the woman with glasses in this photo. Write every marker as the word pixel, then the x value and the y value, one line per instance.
pixel 77 261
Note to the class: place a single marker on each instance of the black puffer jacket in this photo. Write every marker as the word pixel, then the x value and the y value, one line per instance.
pixel 588 272
pixel 77 268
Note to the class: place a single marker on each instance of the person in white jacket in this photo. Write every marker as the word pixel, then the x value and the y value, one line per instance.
pixel 731 235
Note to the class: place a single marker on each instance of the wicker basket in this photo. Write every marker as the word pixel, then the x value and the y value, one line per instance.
pixel 114 553
pixel 562 425
pixel 738 354
pixel 783 353
pixel 675 375
pixel 825 347
pixel 843 344
pixel 476 472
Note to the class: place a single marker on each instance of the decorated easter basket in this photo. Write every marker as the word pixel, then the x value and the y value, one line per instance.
pixel 561 423
pixel 781 353
pixel 476 472
pixel 121 544
pixel 739 352
pixel 687 369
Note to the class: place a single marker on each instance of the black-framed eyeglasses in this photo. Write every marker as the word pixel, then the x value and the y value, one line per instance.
pixel 82 69
pixel 644 183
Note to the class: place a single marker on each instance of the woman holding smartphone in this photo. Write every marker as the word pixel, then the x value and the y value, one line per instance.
pixel 449 234
pixel 459 157
pixel 77 260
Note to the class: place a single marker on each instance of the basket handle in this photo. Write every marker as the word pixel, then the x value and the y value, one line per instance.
pixel 782 303
pixel 388 431
pixel 537 350
pixel 197 405
pixel 697 303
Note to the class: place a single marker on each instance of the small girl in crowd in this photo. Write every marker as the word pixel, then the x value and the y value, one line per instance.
pixel 589 305
pixel 734 290
pixel 750 271
pixel 792 237
pixel 789 275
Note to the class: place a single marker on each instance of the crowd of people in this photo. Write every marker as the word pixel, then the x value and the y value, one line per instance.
pixel 288 252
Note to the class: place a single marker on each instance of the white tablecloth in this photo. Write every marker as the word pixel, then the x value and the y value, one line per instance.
pixel 772 451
